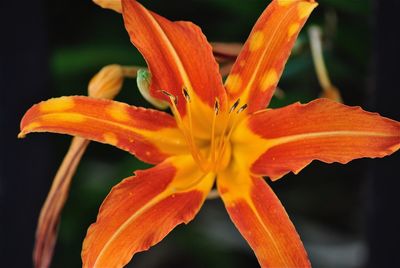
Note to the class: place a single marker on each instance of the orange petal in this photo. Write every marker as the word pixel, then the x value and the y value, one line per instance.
pixel 261 219
pixel 289 138
pixel 46 231
pixel 178 55
pixel 151 135
pixel 110 4
pixel 259 66
pixel 140 211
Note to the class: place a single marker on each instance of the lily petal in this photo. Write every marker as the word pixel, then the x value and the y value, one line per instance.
pixel 46 232
pixel 178 56
pixel 289 138
pixel 149 134
pixel 141 210
pixel 261 219
pixel 259 66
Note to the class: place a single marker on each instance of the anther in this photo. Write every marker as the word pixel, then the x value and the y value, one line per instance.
pixel 169 95
pixel 234 106
pixel 186 94
pixel 216 106
pixel 241 109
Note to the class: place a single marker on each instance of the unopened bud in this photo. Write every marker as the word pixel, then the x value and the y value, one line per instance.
pixel 110 4
pixel 332 93
pixel 107 83
pixel 143 80
pixel 329 91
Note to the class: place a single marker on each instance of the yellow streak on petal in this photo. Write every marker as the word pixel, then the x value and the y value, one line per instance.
pixel 110 138
pixel 305 8
pixel 293 28
pixel 246 153
pixel 118 112
pixel 284 3
pixel 56 105
pixel 234 83
pixel 29 128
pixel 257 41
pixel 66 117
pixel 269 80
pixel 110 4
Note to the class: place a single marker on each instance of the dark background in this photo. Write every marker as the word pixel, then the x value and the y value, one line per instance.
pixel 345 214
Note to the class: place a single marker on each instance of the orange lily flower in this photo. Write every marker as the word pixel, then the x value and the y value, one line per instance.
pixel 218 132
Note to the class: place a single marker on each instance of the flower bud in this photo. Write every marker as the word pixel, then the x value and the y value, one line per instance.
pixel 329 90
pixel 107 83
pixel 332 93
pixel 143 80
pixel 110 4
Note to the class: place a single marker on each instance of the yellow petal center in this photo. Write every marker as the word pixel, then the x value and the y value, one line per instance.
pixel 212 153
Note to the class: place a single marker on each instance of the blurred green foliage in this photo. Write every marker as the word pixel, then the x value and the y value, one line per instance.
pixel 84 37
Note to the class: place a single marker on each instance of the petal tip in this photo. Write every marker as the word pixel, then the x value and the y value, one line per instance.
pixel 21 135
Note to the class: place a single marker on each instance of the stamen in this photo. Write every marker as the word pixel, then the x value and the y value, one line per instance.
pixel 196 153
pixel 241 109
pixel 189 136
pixel 173 98
pixel 212 150
pixel 225 140
pixel 186 94
pixel 216 107
pixel 234 106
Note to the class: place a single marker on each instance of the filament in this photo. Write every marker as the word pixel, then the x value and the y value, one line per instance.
pixel 189 139
pixel 212 150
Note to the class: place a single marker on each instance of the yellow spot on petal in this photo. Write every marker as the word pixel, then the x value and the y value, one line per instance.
pixel 57 105
pixel 118 112
pixel 269 80
pixel 110 138
pixel 29 128
pixel 293 28
pixel 67 117
pixel 305 8
pixel 256 41
pixel 234 83
pixel 242 63
pixel 284 2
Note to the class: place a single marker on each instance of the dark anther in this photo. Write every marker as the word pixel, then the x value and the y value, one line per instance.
pixel 241 109
pixel 169 95
pixel 216 106
pixel 234 106
pixel 186 94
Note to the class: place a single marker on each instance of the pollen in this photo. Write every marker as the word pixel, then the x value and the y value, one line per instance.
pixel 110 138
pixel 118 112
pixel 57 105
pixel 257 40
pixel 293 28
pixel 269 80
pixel 234 83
